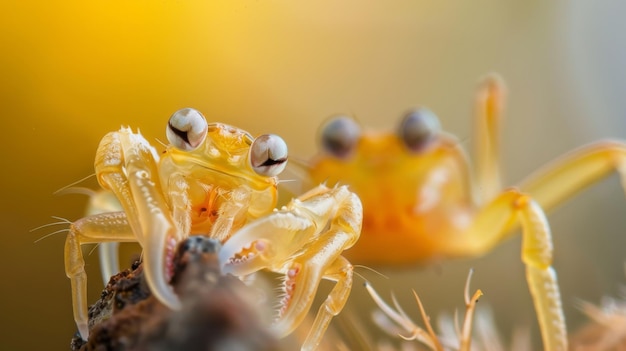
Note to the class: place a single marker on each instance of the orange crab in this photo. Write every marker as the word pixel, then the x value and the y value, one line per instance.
pixel 422 201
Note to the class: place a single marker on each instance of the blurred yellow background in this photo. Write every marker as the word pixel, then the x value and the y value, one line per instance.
pixel 74 70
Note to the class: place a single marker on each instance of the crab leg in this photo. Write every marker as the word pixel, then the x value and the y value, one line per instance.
pixel 109 260
pixel 304 241
pixel 489 104
pixel 302 277
pixel 558 181
pixel 554 183
pixel 104 201
pixel 491 225
pixel 105 227
pixel 340 272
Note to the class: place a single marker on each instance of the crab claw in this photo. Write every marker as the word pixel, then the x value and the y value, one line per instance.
pixel 158 259
pixel 298 291
pixel 275 242
pixel 265 243
pixel 258 246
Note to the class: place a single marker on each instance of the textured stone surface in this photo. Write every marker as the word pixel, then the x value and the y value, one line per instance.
pixel 217 311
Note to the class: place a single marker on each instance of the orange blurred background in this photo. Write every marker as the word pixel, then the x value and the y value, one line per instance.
pixel 74 70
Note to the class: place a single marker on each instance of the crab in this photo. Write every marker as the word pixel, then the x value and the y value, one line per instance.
pixel 422 202
pixel 217 180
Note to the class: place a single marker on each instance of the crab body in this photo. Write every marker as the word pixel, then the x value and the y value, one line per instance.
pixel 211 182
pixel 435 188
pixel 218 181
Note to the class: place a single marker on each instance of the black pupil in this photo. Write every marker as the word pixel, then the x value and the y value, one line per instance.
pixel 271 162
pixel 181 134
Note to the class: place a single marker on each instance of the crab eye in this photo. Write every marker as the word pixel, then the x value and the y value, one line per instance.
pixel 340 135
pixel 418 128
pixel 186 129
pixel 268 155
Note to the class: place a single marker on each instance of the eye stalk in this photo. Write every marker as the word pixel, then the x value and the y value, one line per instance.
pixel 340 135
pixel 268 155
pixel 186 129
pixel 418 128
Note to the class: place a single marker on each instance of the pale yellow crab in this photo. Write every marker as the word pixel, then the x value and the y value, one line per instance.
pixel 217 180
pixel 423 201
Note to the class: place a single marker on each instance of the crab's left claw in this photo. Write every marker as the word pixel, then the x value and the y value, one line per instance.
pixel 265 243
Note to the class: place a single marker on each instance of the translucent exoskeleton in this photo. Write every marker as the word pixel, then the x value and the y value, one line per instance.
pixel 219 181
pixel 422 201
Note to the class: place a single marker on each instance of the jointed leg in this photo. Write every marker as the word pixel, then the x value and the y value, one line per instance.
pixel 558 181
pixel 304 241
pixel 322 260
pixel 340 272
pixel 104 201
pixel 491 226
pixel 109 260
pixel 302 278
pixel 93 229
pixel 541 277
pixel 488 111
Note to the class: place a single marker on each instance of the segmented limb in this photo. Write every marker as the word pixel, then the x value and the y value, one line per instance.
pixel 104 201
pixel 109 260
pixel 99 228
pixel 491 225
pixel 489 105
pixel 322 260
pixel 549 187
pixel 339 271
pixel 565 177
pixel 304 241
pixel 541 277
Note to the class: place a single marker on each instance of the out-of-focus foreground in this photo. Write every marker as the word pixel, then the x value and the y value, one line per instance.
pixel 73 71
